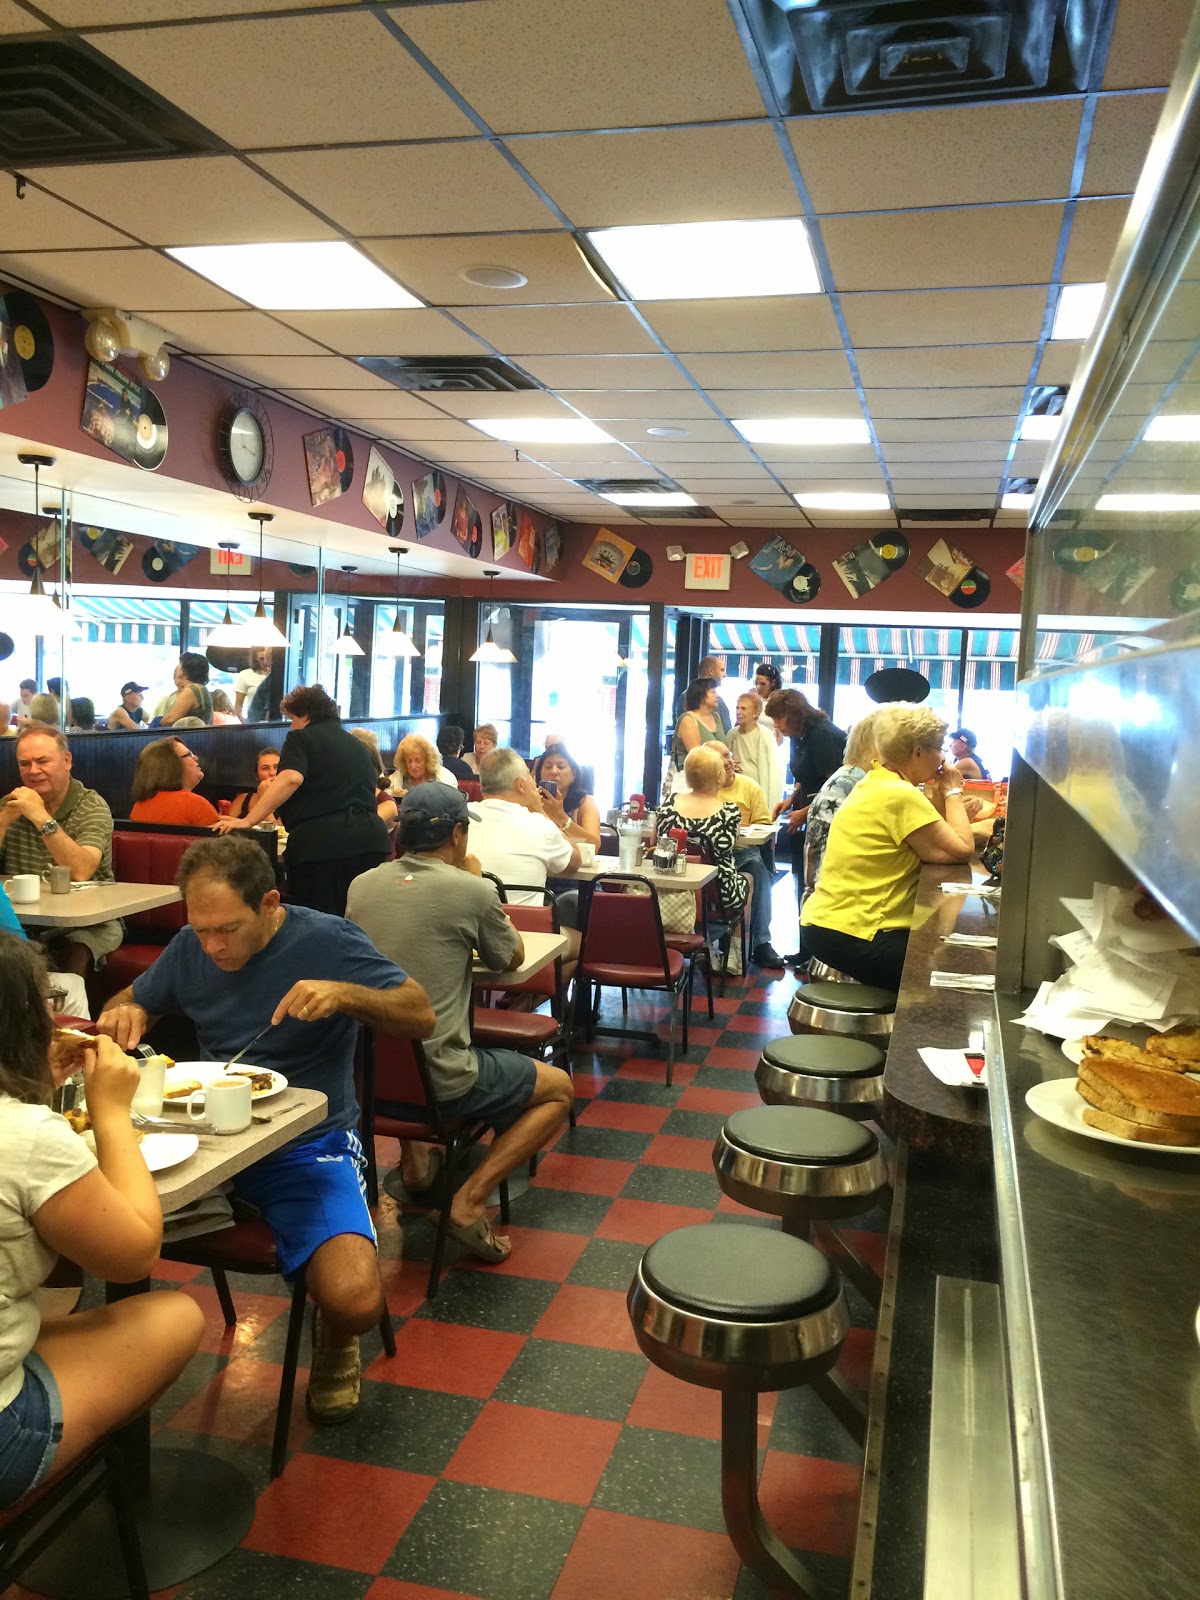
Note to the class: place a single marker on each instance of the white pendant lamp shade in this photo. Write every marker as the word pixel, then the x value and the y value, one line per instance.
pixel 260 633
pixel 40 612
pixel 397 643
pixel 346 644
pixel 489 652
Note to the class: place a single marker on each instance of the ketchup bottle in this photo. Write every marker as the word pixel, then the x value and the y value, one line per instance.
pixel 637 807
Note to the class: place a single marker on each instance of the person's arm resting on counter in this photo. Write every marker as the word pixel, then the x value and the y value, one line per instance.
pixel 949 839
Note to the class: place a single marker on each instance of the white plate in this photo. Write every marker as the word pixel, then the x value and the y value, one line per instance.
pixel 1060 1102
pixel 163 1150
pixel 203 1072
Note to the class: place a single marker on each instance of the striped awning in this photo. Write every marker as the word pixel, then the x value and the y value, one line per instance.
pixel 764 639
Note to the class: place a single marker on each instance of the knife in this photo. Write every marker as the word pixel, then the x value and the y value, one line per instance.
pixel 246 1047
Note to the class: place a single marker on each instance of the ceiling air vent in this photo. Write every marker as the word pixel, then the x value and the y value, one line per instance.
pixel 845 55
pixel 62 104
pixel 960 514
pixel 469 374
pixel 627 485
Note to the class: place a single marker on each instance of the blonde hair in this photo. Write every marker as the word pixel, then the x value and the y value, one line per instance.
pixel 704 769
pixel 45 708
pixel 755 700
pixel 371 740
pixel 417 744
pixel 861 747
pixel 903 729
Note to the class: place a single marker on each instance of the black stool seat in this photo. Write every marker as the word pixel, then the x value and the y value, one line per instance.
pixel 739 1273
pixel 859 997
pixel 799 1133
pixel 825 1055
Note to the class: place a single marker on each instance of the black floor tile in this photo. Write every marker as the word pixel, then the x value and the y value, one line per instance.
pixel 485 1542
pixel 416 1430
pixel 607 1264
pixel 725 1078
pixel 672 1187
pixel 560 1211
pixel 803 1426
pixel 733 1039
pixel 249 1575
pixel 765 1008
pixel 482 1300
pixel 748 1219
pixel 614 1143
pixel 694 1124
pixel 639 1092
pixel 201 1369
pixel 830 1576
pixel 665 1477
pixel 572 1378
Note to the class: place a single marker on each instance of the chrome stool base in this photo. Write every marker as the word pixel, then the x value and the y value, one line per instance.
pixel 846 1008
pixel 819 972
pixel 826 1072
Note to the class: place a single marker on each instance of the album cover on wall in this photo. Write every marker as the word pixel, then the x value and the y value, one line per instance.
pixel 502 530
pixel 609 555
pixel 429 503
pixel 124 415
pixel 553 543
pixel 12 377
pixel 382 495
pixel 467 523
pixel 330 463
pixel 777 563
pixel 862 569
pixel 945 568
pixel 112 550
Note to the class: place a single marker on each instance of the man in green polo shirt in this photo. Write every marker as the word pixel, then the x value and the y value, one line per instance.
pixel 51 820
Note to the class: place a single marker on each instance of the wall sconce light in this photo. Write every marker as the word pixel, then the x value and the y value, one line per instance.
pixel 739 550
pixel 111 333
pixel 676 552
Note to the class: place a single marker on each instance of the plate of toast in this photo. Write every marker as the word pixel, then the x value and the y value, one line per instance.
pixel 159 1150
pixel 184 1078
pixel 1124 1094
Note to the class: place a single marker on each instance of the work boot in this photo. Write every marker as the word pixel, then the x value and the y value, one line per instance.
pixel 766 955
pixel 333 1378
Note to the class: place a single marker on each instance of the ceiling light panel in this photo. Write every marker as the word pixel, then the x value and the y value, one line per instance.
pixel 542 430
pixel 1183 428
pixel 656 499
pixel 841 500
pixel 710 260
pixel 1034 427
pixel 1159 504
pixel 326 275
pixel 1077 310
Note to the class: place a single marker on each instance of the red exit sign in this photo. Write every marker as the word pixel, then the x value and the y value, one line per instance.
pixel 707 572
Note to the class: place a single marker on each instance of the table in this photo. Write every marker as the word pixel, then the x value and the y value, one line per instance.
pixel 98 902
pixel 190 1508
pixel 757 833
pixel 698 873
pixel 540 950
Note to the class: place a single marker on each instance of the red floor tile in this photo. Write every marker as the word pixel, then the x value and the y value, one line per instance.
pixel 625 1115
pixel 404 1284
pixel 672 1150
pixel 726 1101
pixel 653 1069
pixel 582 1315
pixel 589 1084
pixel 393 1589
pixel 529 1451
pixel 769 1027
pixel 240 1402
pixel 703 1033
pixel 536 1252
pixel 812 1504
pixel 627 1558
pixel 858 1353
pixel 254 1313
pixel 583 1174
pixel 175 1271
pixel 728 1006
pixel 643 1221
pixel 734 1208
pixel 673 1406
pixel 448 1357
pixel 871 1246
pixel 720 1056
pixel 342 1513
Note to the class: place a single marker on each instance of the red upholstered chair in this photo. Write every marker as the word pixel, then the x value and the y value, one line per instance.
pixel 470 787
pixel 143 858
pixel 624 948
pixel 397 1098
pixel 33 1524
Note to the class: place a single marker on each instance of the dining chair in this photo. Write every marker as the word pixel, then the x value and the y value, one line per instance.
pixel 30 1527
pixel 693 945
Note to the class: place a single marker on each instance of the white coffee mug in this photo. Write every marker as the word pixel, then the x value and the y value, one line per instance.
pixel 148 1096
pixel 587 854
pixel 24 889
pixel 225 1103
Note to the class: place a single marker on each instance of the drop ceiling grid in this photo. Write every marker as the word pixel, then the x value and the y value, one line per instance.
pixel 981 196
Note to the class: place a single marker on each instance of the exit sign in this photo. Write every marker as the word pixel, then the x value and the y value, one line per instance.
pixel 228 563
pixel 707 572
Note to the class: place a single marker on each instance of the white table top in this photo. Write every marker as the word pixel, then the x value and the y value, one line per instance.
pixel 757 833
pixel 223 1155
pixel 540 950
pixel 698 873
pixel 96 902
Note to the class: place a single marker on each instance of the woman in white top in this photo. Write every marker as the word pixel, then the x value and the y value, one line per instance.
pixel 756 749
pixel 248 680
pixel 66 1383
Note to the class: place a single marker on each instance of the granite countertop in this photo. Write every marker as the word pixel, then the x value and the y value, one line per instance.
pixel 917 1108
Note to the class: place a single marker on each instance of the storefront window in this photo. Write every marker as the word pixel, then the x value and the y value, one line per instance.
pixel 577 664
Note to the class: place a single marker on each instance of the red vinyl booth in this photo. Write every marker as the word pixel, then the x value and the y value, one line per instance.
pixel 143 858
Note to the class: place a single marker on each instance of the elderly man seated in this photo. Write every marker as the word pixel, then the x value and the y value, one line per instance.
pixel 51 820
pixel 429 913
pixel 752 806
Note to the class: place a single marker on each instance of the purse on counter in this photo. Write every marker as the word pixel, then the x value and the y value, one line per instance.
pixel 992 854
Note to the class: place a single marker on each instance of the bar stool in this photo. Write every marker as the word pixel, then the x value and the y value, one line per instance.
pixel 821 972
pixel 743 1310
pixel 856 1009
pixel 808 1168
pixel 836 1072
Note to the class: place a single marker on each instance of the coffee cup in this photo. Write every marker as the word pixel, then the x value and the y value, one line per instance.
pixel 57 879
pixel 587 854
pixel 24 889
pixel 225 1102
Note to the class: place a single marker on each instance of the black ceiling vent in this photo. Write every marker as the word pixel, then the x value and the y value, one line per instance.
pixel 944 514
pixel 62 104
pixel 844 55
pixel 628 485
pixel 468 374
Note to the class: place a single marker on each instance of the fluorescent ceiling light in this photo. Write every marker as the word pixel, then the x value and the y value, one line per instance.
pixel 840 500
pixel 710 260
pixel 648 497
pixel 1148 502
pixel 1015 502
pixel 1077 310
pixel 326 276
pixel 542 430
pixel 803 430
pixel 1181 429
pixel 1039 427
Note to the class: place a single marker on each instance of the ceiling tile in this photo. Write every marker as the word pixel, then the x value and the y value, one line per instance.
pixel 561 330
pixel 1121 137
pixel 787 403
pixel 683 175
pixel 1094 234
pixel 777 322
pixel 42 222
pixel 291 80
pixel 810 369
pixel 946 365
pixel 949 472
pixel 309 372
pixel 951 316
pixel 832 482
pixel 135 280
pixel 1059 360
pixel 797 455
pixel 680 450
pixel 1164 360
pixel 235 333
pixel 524 403
pixel 100 13
pixel 978 499
pixel 905 488
pixel 981 246
pixel 605 372
pixel 635 432
pixel 427 425
pixel 385 333
pixel 372 189
pixel 950 155
pixel 1143 57
pixel 201 200
pixel 432 268
pixel 944 430
pixel 806 471
pixel 14 20
pixel 525 65
pixel 928 403
pixel 951 452
pixel 723 469
pixel 369 405
pixel 639 405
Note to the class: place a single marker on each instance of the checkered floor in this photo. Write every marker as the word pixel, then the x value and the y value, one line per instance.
pixel 519 1447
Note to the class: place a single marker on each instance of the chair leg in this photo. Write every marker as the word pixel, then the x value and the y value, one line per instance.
pixel 387 1333
pixel 221 1282
pixel 504 1211
pixel 449 1184
pixel 671 1038
pixel 686 1011
pixel 117 1485
pixel 759 1547
pixel 287 1380
pixel 624 1002
pixel 708 980
pixel 372 1172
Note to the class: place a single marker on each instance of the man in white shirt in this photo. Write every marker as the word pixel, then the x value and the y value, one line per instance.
pixel 511 835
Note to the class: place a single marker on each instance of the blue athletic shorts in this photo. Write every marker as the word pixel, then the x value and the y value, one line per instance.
pixel 30 1431
pixel 308 1193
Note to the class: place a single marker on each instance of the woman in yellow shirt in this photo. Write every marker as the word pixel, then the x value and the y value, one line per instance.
pixel 859 916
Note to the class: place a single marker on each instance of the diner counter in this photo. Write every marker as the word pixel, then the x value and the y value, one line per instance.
pixel 917 1108
pixel 1101 1289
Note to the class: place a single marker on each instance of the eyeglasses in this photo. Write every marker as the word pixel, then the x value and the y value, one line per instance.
pixel 188 755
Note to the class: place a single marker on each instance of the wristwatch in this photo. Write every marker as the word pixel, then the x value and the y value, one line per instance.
pixel 950 792
pixel 49 827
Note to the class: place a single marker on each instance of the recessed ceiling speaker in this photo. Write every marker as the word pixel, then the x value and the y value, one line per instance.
pixel 484 277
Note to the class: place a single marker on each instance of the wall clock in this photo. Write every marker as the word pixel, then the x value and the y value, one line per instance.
pixel 245 446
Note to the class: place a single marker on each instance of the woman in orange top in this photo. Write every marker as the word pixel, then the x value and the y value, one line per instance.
pixel 163 780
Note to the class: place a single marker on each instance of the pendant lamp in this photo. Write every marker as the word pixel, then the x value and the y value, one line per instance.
pixel 396 643
pixel 225 632
pixel 346 644
pixel 489 652
pixel 38 610
pixel 260 632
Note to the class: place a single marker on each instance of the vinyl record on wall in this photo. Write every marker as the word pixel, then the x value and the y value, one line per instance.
pixel 972 591
pixel 165 557
pixel 32 339
pixel 6 647
pixel 1077 551
pixel 804 586
pixel 638 570
pixel 27 560
pixel 892 550
pixel 1184 589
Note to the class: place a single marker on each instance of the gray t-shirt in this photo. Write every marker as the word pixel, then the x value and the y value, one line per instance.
pixel 429 917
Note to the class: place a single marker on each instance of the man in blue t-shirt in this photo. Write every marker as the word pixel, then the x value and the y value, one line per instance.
pixel 245 962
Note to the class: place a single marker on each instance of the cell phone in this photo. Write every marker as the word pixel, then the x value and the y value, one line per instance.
pixel 550 787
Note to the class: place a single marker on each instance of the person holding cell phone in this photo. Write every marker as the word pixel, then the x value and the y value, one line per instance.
pixel 565 796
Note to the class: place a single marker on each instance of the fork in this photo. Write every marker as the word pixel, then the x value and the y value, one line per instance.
pixel 165 1125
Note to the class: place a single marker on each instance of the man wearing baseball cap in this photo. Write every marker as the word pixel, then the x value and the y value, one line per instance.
pixel 430 912
pixel 129 716
pixel 962 745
